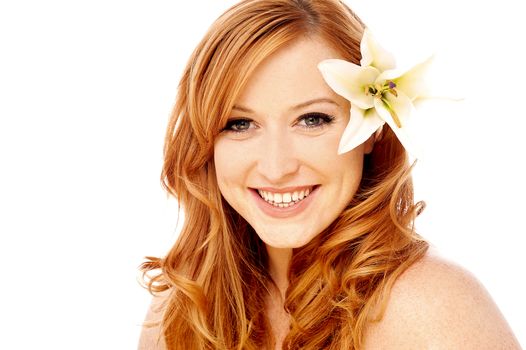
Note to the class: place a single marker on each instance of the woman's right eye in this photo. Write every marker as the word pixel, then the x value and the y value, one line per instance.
pixel 238 125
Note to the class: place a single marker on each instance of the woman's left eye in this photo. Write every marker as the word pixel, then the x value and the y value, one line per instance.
pixel 314 120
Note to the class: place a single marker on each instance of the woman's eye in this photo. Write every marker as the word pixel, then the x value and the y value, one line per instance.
pixel 238 125
pixel 315 120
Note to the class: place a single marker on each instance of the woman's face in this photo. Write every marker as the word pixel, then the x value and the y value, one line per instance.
pixel 276 161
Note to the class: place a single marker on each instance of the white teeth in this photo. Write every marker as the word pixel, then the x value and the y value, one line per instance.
pixel 295 196
pixel 284 200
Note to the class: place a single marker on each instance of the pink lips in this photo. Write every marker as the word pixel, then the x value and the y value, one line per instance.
pixel 278 212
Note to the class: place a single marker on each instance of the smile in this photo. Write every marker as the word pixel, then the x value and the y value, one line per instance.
pixel 284 203
pixel 285 199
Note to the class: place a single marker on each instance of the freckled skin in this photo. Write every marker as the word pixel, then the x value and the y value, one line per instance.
pixel 277 151
pixel 437 304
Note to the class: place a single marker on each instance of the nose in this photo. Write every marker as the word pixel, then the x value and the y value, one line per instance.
pixel 278 160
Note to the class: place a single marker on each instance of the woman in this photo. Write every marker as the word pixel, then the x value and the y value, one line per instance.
pixel 287 243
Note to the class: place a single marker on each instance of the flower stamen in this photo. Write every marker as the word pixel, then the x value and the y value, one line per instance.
pixel 371 90
pixel 392 112
pixel 380 93
pixel 379 90
pixel 391 87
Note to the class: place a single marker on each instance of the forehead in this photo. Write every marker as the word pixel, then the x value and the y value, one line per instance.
pixel 290 76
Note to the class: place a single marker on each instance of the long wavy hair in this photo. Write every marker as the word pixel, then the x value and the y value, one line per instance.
pixel 216 275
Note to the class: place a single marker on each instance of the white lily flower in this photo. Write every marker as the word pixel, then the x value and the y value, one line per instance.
pixel 378 93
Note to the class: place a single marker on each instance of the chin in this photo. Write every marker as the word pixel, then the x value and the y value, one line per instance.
pixel 285 240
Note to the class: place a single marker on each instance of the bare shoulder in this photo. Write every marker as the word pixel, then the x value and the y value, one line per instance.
pixel 440 305
pixel 151 337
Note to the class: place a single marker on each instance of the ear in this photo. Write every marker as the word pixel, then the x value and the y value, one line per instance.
pixel 369 144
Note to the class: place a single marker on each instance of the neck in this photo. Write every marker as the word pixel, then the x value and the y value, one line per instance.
pixel 279 262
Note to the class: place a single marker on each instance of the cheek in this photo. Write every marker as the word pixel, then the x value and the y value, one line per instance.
pixel 228 164
pixel 347 173
pixel 320 150
pixel 221 164
pixel 323 151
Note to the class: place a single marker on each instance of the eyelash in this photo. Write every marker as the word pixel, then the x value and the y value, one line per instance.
pixel 325 120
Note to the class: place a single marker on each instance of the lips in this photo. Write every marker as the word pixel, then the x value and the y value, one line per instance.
pixel 286 202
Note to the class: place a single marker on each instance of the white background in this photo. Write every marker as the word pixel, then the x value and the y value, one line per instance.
pixel 85 93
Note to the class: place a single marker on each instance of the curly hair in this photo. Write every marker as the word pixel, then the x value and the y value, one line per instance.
pixel 216 273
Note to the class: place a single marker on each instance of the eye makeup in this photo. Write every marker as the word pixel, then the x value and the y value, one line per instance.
pixel 314 120
pixel 308 121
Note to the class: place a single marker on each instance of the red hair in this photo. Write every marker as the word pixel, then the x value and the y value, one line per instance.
pixel 216 273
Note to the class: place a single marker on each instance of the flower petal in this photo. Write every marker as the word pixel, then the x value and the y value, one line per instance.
pixel 349 80
pixel 373 54
pixel 413 81
pixel 390 74
pixel 362 124
pixel 403 108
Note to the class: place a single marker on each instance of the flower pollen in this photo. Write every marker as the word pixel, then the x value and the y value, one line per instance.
pixel 379 92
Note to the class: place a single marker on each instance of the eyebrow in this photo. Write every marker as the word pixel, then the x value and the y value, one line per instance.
pixel 296 107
